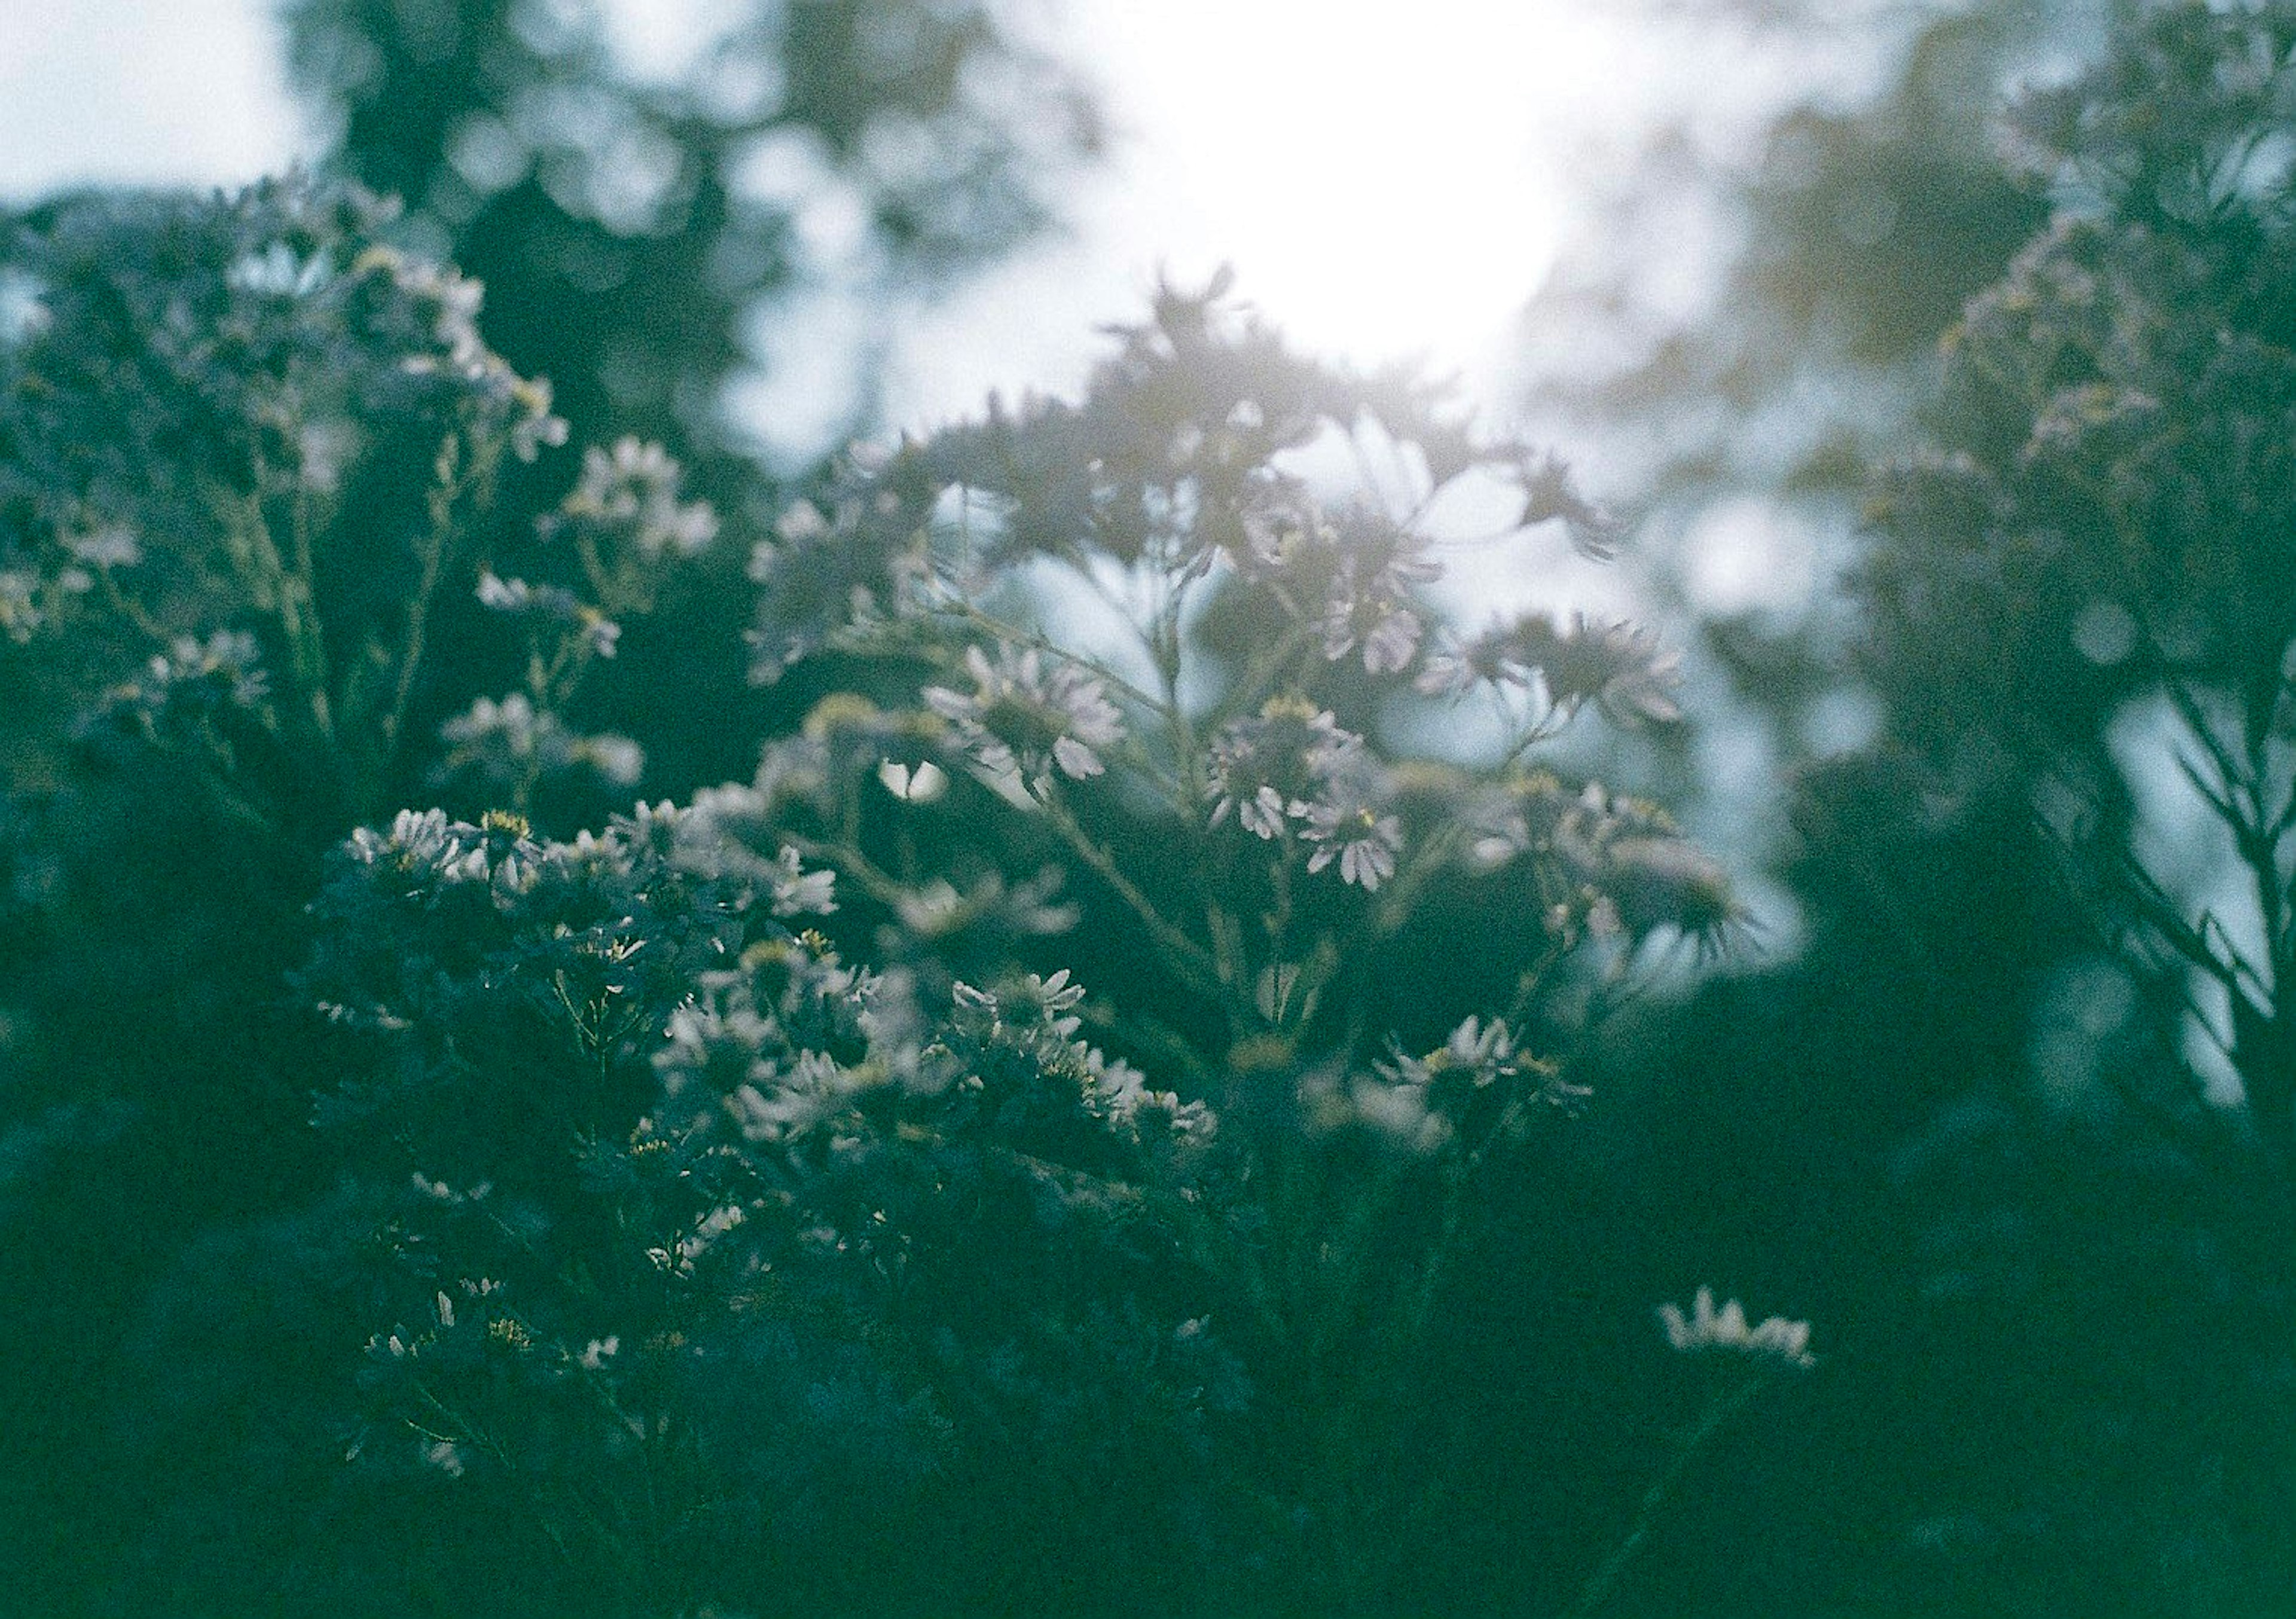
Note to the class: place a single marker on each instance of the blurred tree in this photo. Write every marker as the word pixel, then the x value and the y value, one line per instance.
pixel 631 224
pixel 1752 316
pixel 2010 1115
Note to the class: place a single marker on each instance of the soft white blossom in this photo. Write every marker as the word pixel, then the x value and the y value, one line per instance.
pixel 1725 1330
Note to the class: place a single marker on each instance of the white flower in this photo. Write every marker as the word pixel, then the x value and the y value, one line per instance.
pixel 797 892
pixel 615 757
pixel 918 783
pixel 1387 630
pixel 113 546
pixel 19 613
pixel 1270 767
pixel 1021 720
pixel 1725 1330
pixel 1456 666
pixel 1346 824
pixel 636 486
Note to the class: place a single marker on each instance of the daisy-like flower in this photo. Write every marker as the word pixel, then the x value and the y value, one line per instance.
pixel 1548 494
pixel 1021 720
pixel 1374 565
pixel 1709 1330
pixel 1269 768
pixel 634 487
pixel 202 676
pixel 1345 825
pixel 419 842
pixel 1456 667
pixel 1044 1001
pixel 1482 1051
pixel 797 892
pixel 1479 1056
pixel 1619 668
pixel 1363 566
pixel 1388 632
pixel 1665 881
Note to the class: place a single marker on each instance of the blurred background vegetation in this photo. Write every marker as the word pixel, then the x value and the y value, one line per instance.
pixel 1966 1101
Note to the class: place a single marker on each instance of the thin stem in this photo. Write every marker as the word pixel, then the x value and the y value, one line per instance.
pixel 1720 1410
pixel 1192 957
pixel 430 549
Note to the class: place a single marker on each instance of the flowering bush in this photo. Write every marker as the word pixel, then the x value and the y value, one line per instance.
pixel 267 523
pixel 747 1203
pixel 2110 497
pixel 253 458
pixel 702 1230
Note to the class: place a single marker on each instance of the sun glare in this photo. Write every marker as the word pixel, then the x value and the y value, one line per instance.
pixel 1372 171
pixel 1383 179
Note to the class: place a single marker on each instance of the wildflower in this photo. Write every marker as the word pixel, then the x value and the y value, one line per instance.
pixel 1622 668
pixel 519 596
pixel 1548 494
pixel 1389 633
pixel 784 1102
pixel 200 676
pixel 823 572
pixel 417 839
pixel 797 892
pixel 1668 882
pixel 1050 999
pixel 511 723
pixel 537 426
pixel 653 828
pixel 617 758
pixel 1456 666
pixel 1479 1056
pixel 1020 720
pixel 1369 565
pixel 112 546
pixel 19 613
pixel 1484 1049
pixel 1777 1340
pixel 602 632
pixel 918 783
pixel 635 487
pixel 1619 667
pixel 1345 825
pixel 1270 767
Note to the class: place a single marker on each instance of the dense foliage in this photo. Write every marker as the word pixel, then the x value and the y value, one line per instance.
pixel 2003 1110
pixel 1144 1092
pixel 723 1205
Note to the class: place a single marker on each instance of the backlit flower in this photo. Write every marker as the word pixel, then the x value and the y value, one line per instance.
pixel 1707 1329
pixel 1023 719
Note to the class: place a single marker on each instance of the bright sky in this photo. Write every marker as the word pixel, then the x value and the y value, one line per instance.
pixel 1373 173
pixel 1376 173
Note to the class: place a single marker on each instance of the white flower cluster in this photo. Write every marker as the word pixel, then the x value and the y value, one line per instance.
pixel 634 485
pixel 1293 762
pixel 506 743
pixel 1706 1329
pixel 1024 720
